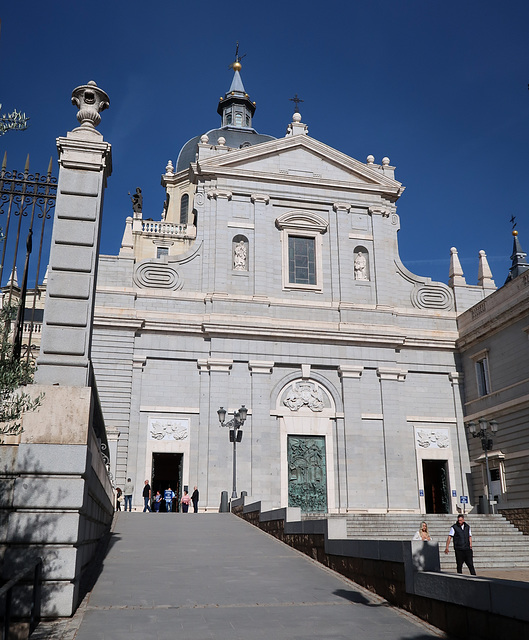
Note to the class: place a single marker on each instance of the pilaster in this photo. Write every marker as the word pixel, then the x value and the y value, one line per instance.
pixel 399 442
pixel 463 461
pixel 351 442
pixel 261 254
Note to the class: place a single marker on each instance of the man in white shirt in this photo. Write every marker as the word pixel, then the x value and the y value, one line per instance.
pixel 462 536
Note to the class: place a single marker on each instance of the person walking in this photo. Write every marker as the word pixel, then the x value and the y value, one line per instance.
pixel 119 493
pixel 157 501
pixel 462 536
pixel 128 490
pixel 168 496
pixel 185 502
pixel 146 496
pixel 194 500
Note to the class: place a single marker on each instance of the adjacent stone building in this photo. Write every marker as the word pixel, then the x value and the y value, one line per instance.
pixel 494 346
pixel 273 280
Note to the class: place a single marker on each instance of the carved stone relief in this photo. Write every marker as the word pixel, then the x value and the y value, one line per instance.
pixel 432 296
pixel 305 394
pixel 432 438
pixel 158 276
pixel 165 429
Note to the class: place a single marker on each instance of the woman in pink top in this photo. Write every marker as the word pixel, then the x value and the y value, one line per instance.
pixel 186 499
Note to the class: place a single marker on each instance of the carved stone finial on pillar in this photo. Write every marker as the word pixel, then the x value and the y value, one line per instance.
pixel 455 274
pixel 484 273
pixel 91 100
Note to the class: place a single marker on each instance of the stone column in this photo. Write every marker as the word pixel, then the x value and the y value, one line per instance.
pixel 85 164
pixel 399 442
pixel 263 442
pixel 354 471
pixel 463 458
pixel 61 504
pixel 260 258
pixel 221 256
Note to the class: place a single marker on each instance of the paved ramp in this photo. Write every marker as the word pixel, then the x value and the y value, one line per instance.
pixel 214 576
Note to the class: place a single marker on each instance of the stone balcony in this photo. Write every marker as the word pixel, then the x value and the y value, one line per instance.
pixel 150 228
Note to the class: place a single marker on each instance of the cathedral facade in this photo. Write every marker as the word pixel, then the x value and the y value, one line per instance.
pixel 273 282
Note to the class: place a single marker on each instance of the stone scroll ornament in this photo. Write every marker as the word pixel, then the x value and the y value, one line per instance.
pixel 90 100
pixel 304 394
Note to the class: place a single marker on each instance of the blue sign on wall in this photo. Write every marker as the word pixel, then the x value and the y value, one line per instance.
pixel 421 493
pixel 454 493
pixel 463 499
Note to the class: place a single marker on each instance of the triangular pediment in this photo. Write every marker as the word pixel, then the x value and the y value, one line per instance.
pixel 299 158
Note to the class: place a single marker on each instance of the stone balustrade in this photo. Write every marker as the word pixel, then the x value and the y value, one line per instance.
pixel 168 229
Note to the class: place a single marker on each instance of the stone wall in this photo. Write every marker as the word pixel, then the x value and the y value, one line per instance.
pixel 519 518
pixel 462 606
pixel 56 497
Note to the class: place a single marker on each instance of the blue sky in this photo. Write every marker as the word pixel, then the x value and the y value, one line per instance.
pixel 438 86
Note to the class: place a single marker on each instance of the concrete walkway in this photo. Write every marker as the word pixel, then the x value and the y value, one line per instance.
pixel 214 576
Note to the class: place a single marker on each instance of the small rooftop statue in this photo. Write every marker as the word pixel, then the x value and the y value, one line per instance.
pixel 91 100
pixel 137 201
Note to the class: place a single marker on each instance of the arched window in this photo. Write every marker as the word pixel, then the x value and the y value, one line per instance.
pixel 184 208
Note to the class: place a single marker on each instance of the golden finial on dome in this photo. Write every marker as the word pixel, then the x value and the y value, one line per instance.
pixel 514 233
pixel 236 66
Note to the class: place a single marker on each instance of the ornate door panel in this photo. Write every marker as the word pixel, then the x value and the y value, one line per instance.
pixel 307 478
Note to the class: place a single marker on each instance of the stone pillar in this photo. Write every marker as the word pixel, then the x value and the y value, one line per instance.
pixel 463 459
pixel 399 442
pixel 262 441
pixel 260 251
pixel 351 445
pixel 85 164
pixel 62 499
pixel 221 255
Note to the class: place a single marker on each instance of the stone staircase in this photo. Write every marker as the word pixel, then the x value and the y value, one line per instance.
pixel 496 542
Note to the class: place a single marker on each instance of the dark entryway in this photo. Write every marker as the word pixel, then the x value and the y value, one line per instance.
pixel 436 489
pixel 167 472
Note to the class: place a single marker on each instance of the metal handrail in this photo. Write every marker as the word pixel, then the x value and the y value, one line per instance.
pixel 7 591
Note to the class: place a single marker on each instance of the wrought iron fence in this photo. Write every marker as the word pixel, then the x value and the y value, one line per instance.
pixel 26 203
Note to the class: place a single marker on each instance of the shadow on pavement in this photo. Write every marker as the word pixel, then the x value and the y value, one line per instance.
pixel 358 598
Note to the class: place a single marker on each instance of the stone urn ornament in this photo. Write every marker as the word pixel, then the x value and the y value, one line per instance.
pixel 90 100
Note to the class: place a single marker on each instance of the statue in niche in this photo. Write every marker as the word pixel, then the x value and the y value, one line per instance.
pixel 240 256
pixel 137 201
pixel 360 266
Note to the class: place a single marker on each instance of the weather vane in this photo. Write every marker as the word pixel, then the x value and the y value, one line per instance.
pixel 296 100
pixel 236 65
pixel 512 221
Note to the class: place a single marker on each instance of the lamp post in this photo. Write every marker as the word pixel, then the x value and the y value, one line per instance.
pixel 481 430
pixel 235 427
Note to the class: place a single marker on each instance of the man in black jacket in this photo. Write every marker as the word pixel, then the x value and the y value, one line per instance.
pixel 462 535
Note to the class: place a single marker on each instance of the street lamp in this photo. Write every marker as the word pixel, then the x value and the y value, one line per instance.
pixel 235 427
pixel 481 430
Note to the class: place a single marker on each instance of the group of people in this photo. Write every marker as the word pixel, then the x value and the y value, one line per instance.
pixel 167 499
pixel 461 534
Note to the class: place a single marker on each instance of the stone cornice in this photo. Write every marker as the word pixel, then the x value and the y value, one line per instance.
pixel 217 194
pixel 341 206
pixel 392 373
pixel 261 366
pixel 259 197
pixel 350 371
pixel 223 365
